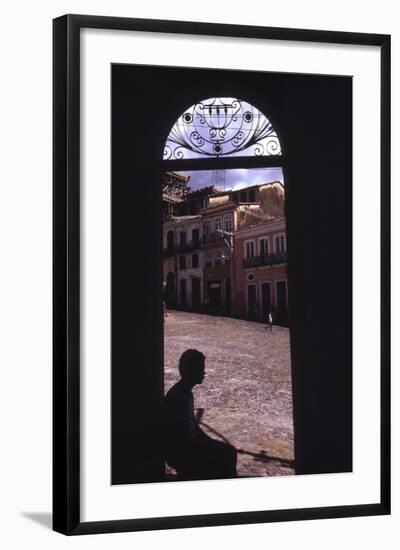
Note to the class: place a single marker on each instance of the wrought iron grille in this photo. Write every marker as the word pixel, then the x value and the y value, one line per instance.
pixel 221 126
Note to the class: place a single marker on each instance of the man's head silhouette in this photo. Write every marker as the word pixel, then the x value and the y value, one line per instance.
pixel 192 366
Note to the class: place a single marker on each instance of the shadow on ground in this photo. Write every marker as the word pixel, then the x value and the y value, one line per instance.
pixel 247 393
pixel 45 519
pixel 261 456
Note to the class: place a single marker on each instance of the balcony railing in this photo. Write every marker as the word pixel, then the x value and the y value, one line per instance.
pixel 188 246
pixel 265 259
pixel 279 257
pixel 181 248
pixel 212 238
pixel 252 262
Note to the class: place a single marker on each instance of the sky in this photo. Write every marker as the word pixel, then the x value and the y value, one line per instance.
pixel 235 178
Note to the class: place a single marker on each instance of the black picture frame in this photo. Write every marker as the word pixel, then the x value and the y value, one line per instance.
pixel 66 273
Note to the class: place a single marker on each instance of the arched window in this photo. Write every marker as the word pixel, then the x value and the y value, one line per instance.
pixel 220 127
pixel 229 151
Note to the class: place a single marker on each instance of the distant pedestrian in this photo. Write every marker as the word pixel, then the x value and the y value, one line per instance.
pixel 269 321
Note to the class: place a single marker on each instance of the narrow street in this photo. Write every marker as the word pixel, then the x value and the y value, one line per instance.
pixel 246 396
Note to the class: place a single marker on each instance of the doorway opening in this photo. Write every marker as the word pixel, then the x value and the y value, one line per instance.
pixel 222 239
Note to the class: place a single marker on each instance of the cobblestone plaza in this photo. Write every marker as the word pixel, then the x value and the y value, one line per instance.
pixel 246 397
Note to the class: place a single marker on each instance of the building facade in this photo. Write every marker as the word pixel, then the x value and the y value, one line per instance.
pixel 229 256
pixel 182 267
pixel 260 271
pixel 218 221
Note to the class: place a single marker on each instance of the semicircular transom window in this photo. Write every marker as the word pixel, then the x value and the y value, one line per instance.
pixel 221 127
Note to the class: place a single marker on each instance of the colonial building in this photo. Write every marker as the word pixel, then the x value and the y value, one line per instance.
pixel 228 255
pixel 195 200
pixel 218 217
pixel 182 262
pixel 226 213
pixel 260 271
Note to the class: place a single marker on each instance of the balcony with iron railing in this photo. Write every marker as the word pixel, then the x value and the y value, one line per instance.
pixel 182 248
pixel 212 238
pixel 265 259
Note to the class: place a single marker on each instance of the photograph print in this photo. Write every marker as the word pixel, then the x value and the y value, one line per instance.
pixel 231 274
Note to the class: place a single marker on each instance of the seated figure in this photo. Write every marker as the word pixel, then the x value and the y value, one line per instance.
pixel 188 449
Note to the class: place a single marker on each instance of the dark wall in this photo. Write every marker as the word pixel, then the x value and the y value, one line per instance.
pixel 312 115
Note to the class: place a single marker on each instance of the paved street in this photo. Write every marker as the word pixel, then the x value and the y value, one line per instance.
pixel 246 395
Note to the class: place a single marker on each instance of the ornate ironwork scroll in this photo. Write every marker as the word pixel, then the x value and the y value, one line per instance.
pixel 221 126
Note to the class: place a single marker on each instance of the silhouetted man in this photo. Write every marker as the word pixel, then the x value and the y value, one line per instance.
pixel 188 449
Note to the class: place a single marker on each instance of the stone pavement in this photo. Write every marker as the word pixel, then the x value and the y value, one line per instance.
pixel 246 395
